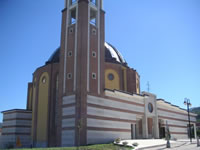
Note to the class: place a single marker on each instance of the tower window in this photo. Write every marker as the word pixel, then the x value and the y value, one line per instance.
pixel 94 2
pixel 73 16
pixel 93 17
pixel 72 2
pixel 69 76
pixel 93 54
pixel 94 31
pixel 93 75
pixel 69 54
pixel 71 30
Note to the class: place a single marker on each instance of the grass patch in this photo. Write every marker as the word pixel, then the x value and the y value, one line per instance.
pixel 92 147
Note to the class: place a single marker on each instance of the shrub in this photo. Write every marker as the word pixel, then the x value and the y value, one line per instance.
pixel 135 144
pixel 125 143
pixel 117 140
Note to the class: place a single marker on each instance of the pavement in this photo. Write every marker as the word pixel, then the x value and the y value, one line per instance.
pixel 160 144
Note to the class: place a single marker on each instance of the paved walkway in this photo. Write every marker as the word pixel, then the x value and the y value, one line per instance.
pixel 179 145
pixel 160 144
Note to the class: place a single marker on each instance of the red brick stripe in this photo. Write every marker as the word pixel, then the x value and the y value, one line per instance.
pixel 110 119
pixel 175 112
pixel 178 133
pixel 68 117
pixel 29 119
pixel 17 126
pixel 16 133
pixel 108 129
pixel 68 105
pixel 17 111
pixel 123 101
pixel 115 109
pixel 178 126
pixel 68 128
pixel 170 118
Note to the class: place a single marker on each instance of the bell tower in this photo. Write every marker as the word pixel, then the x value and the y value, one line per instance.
pixel 81 66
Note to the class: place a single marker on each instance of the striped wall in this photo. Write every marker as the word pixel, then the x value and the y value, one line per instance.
pixel 68 121
pixel 110 118
pixel 177 119
pixel 106 136
pixel 17 115
pixel 16 125
pixel 125 97
pixel 174 115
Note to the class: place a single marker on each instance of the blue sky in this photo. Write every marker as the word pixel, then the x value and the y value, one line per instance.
pixel 158 38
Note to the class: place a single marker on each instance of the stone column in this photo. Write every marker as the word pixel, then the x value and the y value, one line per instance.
pixel 134 132
pixel 195 131
pixel 156 123
pixel 156 127
pixel 144 127
pixel 137 130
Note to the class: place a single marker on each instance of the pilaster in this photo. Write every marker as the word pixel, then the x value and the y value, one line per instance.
pixel 195 131
pixel 144 127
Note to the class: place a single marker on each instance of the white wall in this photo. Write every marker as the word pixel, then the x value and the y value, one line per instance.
pixel 103 130
pixel 68 136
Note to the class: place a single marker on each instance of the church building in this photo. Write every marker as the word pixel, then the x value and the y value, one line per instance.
pixel 87 94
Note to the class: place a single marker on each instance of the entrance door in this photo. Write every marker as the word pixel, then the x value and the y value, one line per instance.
pixel 132 131
pixel 150 128
pixel 161 131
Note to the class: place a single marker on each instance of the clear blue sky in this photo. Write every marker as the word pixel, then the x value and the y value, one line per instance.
pixel 158 38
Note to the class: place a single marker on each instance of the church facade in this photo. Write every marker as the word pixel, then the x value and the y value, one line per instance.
pixel 87 94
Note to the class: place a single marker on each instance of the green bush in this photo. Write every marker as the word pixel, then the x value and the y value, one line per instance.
pixel 135 144
pixel 118 140
pixel 125 143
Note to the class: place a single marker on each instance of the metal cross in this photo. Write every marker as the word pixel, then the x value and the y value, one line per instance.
pixel 148 86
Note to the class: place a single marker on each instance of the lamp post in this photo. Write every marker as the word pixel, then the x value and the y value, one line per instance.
pixel 187 102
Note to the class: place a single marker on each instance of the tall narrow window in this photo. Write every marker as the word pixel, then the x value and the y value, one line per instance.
pixel 73 16
pixel 132 131
pixel 72 2
pixel 93 17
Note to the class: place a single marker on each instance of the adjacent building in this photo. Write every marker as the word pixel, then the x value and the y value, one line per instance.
pixel 87 94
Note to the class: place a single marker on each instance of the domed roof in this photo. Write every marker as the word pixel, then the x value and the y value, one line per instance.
pixel 111 55
pixel 55 57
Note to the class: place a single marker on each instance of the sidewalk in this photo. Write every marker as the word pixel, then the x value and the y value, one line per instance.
pixel 160 144
pixel 177 146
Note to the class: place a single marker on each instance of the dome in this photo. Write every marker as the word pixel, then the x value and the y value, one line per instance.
pixel 111 55
pixel 55 57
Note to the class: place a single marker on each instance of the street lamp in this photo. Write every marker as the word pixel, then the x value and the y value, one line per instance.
pixel 187 102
